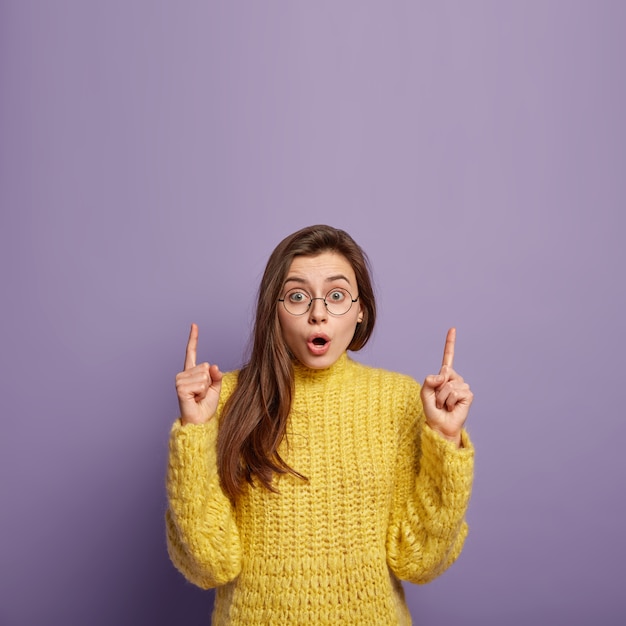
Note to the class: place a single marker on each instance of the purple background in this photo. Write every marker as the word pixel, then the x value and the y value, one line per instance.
pixel 151 156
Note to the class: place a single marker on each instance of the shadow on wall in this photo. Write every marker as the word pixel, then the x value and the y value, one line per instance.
pixel 176 601
pixel 161 596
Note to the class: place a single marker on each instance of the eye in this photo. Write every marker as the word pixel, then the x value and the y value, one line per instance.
pixel 298 297
pixel 337 295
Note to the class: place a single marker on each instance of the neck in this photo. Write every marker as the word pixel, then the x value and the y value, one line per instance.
pixel 303 372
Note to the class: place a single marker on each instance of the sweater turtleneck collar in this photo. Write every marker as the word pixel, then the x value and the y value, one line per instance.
pixel 304 374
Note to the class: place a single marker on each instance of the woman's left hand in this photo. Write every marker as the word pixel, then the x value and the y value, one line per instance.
pixel 447 397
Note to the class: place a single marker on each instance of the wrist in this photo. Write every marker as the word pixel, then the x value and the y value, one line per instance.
pixel 455 438
pixel 195 422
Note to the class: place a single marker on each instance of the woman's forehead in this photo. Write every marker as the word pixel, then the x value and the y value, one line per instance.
pixel 326 266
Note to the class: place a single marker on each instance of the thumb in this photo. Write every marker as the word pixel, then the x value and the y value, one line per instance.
pixel 433 381
pixel 216 377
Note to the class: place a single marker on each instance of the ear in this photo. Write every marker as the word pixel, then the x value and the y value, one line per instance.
pixel 359 317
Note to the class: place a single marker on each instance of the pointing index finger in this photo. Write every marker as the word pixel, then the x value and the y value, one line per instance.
pixel 448 351
pixel 192 347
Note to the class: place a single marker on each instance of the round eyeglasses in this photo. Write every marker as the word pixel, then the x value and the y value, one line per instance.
pixel 338 301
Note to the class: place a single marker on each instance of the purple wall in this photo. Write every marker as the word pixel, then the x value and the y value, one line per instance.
pixel 151 156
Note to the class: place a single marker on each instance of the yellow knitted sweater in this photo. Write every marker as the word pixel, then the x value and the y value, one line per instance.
pixel 385 500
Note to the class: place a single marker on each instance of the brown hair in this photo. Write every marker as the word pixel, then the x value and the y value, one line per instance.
pixel 254 419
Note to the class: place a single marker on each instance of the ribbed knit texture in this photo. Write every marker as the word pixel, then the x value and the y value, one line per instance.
pixel 385 500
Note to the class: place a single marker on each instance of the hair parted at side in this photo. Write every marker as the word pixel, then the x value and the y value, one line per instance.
pixel 254 419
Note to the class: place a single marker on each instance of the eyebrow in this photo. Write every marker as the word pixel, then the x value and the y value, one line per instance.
pixel 330 279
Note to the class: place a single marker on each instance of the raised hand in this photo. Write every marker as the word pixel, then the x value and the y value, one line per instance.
pixel 198 386
pixel 446 396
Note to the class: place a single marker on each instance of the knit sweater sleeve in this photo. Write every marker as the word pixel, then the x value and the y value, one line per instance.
pixel 433 486
pixel 202 535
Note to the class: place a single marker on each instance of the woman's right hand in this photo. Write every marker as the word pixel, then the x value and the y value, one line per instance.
pixel 198 386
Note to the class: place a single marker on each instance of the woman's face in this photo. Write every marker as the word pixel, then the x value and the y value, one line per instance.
pixel 317 337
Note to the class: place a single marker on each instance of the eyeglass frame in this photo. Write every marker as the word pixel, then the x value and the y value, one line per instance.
pixel 352 301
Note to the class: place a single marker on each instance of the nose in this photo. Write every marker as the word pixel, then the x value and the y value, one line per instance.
pixel 317 310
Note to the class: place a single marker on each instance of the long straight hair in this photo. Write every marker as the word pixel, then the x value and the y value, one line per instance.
pixel 254 418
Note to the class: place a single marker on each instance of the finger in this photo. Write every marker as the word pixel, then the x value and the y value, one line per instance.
pixel 433 381
pixel 441 395
pixel 446 397
pixel 216 374
pixel 450 395
pixel 198 380
pixel 192 390
pixel 194 375
pixel 448 350
pixel 192 348
pixel 200 372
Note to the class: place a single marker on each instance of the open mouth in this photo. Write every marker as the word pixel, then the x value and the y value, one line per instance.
pixel 318 344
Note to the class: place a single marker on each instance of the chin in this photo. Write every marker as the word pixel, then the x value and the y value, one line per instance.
pixel 319 363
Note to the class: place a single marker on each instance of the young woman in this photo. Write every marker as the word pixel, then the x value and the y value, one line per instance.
pixel 306 486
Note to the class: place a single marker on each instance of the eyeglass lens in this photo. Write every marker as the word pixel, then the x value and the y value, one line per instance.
pixel 338 301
